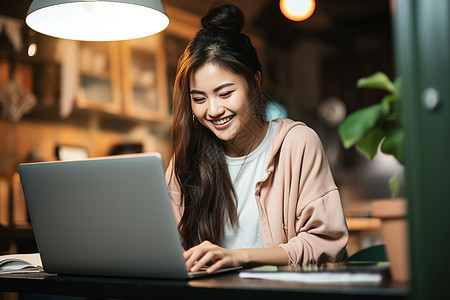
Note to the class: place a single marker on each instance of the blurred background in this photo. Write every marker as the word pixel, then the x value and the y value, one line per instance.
pixel 63 99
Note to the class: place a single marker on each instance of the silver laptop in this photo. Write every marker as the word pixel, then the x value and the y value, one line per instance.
pixel 104 217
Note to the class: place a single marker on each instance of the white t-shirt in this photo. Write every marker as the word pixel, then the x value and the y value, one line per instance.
pixel 245 172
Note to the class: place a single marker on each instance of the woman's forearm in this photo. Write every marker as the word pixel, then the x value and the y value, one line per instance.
pixel 264 256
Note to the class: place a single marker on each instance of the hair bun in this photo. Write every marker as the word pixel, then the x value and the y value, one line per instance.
pixel 225 17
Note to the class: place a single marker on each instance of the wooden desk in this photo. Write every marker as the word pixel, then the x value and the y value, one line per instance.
pixel 226 286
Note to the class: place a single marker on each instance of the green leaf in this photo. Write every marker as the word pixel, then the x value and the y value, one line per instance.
pixel 358 124
pixel 369 144
pixel 378 80
pixel 393 143
pixel 394 186
pixel 394 183
pixel 386 104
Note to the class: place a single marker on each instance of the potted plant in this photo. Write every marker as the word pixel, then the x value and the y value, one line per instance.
pixel 379 126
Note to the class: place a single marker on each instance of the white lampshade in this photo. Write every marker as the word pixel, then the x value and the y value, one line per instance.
pixel 97 20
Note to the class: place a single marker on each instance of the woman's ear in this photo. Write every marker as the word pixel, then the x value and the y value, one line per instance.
pixel 258 78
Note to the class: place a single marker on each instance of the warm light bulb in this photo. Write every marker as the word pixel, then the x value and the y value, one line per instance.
pixel 297 10
pixel 32 49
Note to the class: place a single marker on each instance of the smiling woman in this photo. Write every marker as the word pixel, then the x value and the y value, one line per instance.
pixel 245 191
pixel 221 103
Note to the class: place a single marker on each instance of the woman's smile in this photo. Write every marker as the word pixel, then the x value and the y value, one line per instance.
pixel 222 123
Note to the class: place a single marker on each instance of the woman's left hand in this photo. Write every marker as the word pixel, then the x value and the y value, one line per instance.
pixel 209 253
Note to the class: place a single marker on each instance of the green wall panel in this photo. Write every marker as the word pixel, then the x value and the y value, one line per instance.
pixel 422 36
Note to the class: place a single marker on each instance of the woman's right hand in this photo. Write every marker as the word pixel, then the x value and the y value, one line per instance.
pixel 208 253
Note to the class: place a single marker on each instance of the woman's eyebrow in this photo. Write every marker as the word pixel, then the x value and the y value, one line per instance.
pixel 197 92
pixel 224 85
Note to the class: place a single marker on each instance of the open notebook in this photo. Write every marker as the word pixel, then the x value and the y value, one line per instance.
pixel 108 217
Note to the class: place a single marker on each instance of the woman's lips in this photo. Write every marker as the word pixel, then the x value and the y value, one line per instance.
pixel 222 123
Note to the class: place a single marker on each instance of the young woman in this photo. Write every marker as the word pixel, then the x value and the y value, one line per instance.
pixel 245 191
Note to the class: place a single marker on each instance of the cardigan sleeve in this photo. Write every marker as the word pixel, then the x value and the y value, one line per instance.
pixel 313 228
pixel 321 232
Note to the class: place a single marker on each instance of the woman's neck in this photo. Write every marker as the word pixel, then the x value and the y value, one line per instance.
pixel 247 141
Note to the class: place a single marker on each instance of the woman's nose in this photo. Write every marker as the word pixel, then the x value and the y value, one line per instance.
pixel 215 107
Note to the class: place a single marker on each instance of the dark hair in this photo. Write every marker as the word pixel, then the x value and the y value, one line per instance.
pixel 207 193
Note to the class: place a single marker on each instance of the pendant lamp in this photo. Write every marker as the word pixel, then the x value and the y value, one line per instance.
pixel 297 10
pixel 97 20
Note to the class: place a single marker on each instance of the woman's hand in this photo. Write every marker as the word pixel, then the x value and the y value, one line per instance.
pixel 209 253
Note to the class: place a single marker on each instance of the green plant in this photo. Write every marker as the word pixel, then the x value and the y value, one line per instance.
pixel 378 125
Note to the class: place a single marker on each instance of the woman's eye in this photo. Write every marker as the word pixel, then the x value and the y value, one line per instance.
pixel 198 99
pixel 226 94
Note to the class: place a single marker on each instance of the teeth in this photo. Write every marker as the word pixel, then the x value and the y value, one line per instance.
pixel 223 121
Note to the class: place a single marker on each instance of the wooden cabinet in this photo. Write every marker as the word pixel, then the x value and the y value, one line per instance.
pixel 99 77
pixel 144 83
pixel 126 78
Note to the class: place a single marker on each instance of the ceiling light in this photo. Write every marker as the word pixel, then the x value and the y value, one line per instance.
pixel 97 20
pixel 297 10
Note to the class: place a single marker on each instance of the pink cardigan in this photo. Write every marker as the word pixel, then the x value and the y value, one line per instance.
pixel 299 205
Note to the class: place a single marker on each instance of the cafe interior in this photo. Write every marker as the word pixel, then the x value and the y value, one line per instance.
pixel 67 98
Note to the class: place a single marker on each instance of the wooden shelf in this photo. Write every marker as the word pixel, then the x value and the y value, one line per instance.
pixel 363 224
pixel 363 232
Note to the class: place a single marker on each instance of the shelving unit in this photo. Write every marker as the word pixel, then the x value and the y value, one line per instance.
pixel 363 232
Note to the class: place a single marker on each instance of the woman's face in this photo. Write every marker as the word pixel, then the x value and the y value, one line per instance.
pixel 220 101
